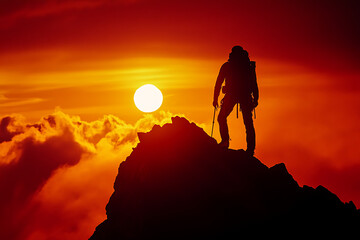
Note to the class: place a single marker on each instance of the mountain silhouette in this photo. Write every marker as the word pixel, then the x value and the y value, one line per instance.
pixel 179 184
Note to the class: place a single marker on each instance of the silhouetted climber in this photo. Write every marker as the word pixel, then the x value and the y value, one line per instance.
pixel 240 87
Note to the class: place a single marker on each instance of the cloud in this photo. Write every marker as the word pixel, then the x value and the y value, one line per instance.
pixel 23 10
pixel 19 102
pixel 56 175
pixel 8 129
pixel 16 10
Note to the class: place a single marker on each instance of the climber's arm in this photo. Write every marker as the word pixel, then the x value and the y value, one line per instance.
pixel 219 81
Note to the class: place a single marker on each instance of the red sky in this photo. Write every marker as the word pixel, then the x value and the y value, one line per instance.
pixel 87 58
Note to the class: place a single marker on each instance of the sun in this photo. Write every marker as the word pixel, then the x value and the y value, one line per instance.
pixel 148 98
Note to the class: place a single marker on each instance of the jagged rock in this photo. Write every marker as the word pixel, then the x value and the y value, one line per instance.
pixel 179 184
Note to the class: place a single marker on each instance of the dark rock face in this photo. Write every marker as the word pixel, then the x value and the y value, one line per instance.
pixel 178 184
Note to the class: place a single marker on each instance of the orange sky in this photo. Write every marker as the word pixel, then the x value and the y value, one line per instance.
pixel 86 59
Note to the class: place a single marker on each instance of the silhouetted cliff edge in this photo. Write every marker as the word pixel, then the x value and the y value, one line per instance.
pixel 178 184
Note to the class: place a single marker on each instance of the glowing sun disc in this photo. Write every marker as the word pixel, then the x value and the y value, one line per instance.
pixel 148 98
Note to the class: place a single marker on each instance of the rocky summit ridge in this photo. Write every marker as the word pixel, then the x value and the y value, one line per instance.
pixel 179 184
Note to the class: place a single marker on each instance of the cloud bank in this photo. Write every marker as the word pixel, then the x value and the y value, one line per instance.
pixel 56 175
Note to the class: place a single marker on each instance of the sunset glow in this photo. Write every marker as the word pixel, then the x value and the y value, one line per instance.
pixel 69 71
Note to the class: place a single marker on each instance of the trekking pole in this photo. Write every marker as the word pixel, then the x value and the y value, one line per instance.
pixel 237 110
pixel 212 128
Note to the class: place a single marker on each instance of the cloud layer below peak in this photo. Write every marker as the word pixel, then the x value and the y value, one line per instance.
pixel 56 175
